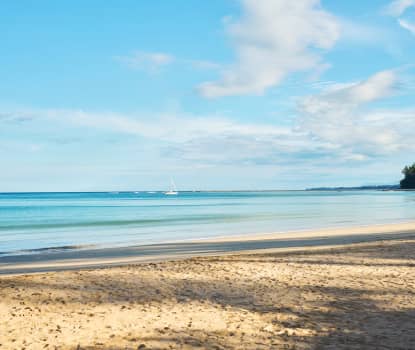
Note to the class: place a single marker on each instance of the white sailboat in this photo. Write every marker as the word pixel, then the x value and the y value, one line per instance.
pixel 172 190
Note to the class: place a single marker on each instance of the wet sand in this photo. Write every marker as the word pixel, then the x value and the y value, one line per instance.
pixel 360 296
pixel 56 260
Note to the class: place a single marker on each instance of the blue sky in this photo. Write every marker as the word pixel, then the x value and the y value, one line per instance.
pixel 219 94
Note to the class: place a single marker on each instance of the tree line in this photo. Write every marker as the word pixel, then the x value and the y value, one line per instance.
pixel 408 182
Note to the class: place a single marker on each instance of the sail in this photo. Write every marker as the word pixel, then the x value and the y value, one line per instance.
pixel 173 189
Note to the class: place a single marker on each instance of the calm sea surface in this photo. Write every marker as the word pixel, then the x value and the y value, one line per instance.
pixel 36 221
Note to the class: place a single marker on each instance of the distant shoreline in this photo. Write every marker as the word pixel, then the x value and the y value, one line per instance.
pixel 361 188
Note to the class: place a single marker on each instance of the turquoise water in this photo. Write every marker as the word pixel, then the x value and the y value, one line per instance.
pixel 36 221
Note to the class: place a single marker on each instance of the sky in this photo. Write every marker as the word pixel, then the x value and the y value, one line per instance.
pixel 218 94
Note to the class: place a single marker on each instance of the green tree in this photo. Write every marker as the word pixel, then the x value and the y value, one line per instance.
pixel 408 182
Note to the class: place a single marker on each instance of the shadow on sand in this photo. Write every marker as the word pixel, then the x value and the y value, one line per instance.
pixel 337 318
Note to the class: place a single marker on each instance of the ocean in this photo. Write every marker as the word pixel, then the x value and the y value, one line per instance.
pixel 33 222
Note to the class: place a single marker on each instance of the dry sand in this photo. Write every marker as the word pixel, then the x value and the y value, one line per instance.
pixel 360 296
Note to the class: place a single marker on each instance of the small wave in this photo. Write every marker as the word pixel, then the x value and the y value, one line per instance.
pixel 140 222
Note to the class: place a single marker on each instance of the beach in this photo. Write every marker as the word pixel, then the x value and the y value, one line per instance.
pixel 354 296
pixel 214 175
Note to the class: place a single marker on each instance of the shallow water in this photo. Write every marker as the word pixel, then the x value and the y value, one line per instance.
pixel 40 221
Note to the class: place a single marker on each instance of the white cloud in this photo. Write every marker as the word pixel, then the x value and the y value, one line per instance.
pixel 398 7
pixel 272 39
pixel 350 95
pixel 378 86
pixel 149 61
pixel 339 116
pixel 407 25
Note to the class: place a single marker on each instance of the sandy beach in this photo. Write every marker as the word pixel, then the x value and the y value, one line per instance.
pixel 217 175
pixel 358 296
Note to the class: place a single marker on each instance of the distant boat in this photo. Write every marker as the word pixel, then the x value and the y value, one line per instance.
pixel 172 190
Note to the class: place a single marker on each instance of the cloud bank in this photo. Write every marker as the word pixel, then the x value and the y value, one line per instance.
pixel 342 123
